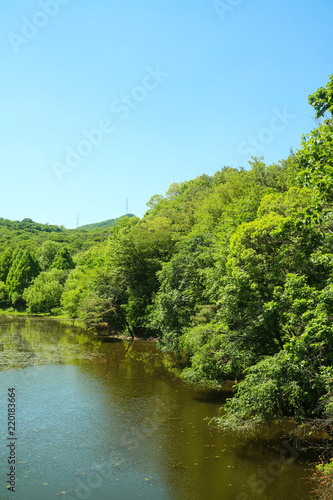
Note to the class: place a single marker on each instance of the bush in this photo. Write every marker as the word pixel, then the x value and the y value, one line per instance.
pixel 323 478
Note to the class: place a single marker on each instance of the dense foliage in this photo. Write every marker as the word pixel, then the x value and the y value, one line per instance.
pixel 323 480
pixel 234 272
pixel 103 224
pixel 31 235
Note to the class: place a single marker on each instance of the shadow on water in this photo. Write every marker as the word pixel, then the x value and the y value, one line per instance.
pixel 213 396
pixel 108 340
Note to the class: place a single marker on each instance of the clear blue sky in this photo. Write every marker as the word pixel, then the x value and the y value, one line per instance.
pixel 176 89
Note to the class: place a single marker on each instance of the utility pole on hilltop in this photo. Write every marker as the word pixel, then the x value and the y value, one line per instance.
pixel 126 205
pixel 77 221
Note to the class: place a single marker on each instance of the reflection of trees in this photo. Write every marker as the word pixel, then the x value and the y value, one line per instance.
pixel 40 341
pixel 157 424
pixel 148 356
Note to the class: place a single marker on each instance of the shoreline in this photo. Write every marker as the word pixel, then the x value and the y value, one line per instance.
pixel 78 324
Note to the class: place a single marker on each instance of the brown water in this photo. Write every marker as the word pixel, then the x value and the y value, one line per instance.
pixel 114 421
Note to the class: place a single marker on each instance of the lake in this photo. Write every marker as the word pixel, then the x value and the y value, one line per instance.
pixel 114 421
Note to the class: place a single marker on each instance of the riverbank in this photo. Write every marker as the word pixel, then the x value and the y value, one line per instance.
pixel 63 319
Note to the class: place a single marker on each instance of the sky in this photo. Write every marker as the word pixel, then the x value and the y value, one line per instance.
pixel 105 103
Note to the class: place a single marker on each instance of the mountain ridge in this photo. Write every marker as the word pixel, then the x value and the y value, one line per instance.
pixel 105 223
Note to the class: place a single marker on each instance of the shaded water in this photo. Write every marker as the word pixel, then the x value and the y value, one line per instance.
pixel 113 421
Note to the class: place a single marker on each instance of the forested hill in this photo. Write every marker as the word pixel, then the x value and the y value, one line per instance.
pixel 234 272
pixel 30 235
pixel 29 225
pixel 103 224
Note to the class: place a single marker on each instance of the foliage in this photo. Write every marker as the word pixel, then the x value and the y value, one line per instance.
pixel 30 235
pixel 103 224
pixel 279 269
pixel 46 253
pixel 63 260
pixel 322 99
pixel 315 158
pixel 3 294
pixel 323 479
pixel 24 268
pixel 233 272
pixel 75 290
pixel 45 292
pixel 5 263
pixel 182 288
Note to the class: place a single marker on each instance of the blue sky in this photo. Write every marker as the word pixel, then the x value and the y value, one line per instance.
pixel 104 101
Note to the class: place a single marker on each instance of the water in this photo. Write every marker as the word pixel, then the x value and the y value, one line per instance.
pixel 114 421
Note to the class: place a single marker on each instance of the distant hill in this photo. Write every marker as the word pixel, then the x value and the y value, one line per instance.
pixel 104 223
pixel 31 235
pixel 28 225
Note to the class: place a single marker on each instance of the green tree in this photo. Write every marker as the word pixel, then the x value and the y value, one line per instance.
pixel 44 294
pixel 315 157
pixel 47 253
pixel 284 260
pixel 76 290
pixel 3 294
pixel 25 267
pixel 63 260
pixel 297 381
pixel 182 288
pixel 5 263
pixel 322 99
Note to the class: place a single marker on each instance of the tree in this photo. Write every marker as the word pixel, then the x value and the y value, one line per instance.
pixel 181 289
pixel 25 267
pixel 76 290
pixel 5 263
pixel 315 157
pixel 3 294
pixel 63 260
pixel 47 253
pixel 289 269
pixel 296 381
pixel 322 99
pixel 44 294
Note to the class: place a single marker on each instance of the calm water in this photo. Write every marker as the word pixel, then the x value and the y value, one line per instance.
pixel 113 421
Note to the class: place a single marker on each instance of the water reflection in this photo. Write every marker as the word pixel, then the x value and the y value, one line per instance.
pixel 28 341
pixel 114 420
